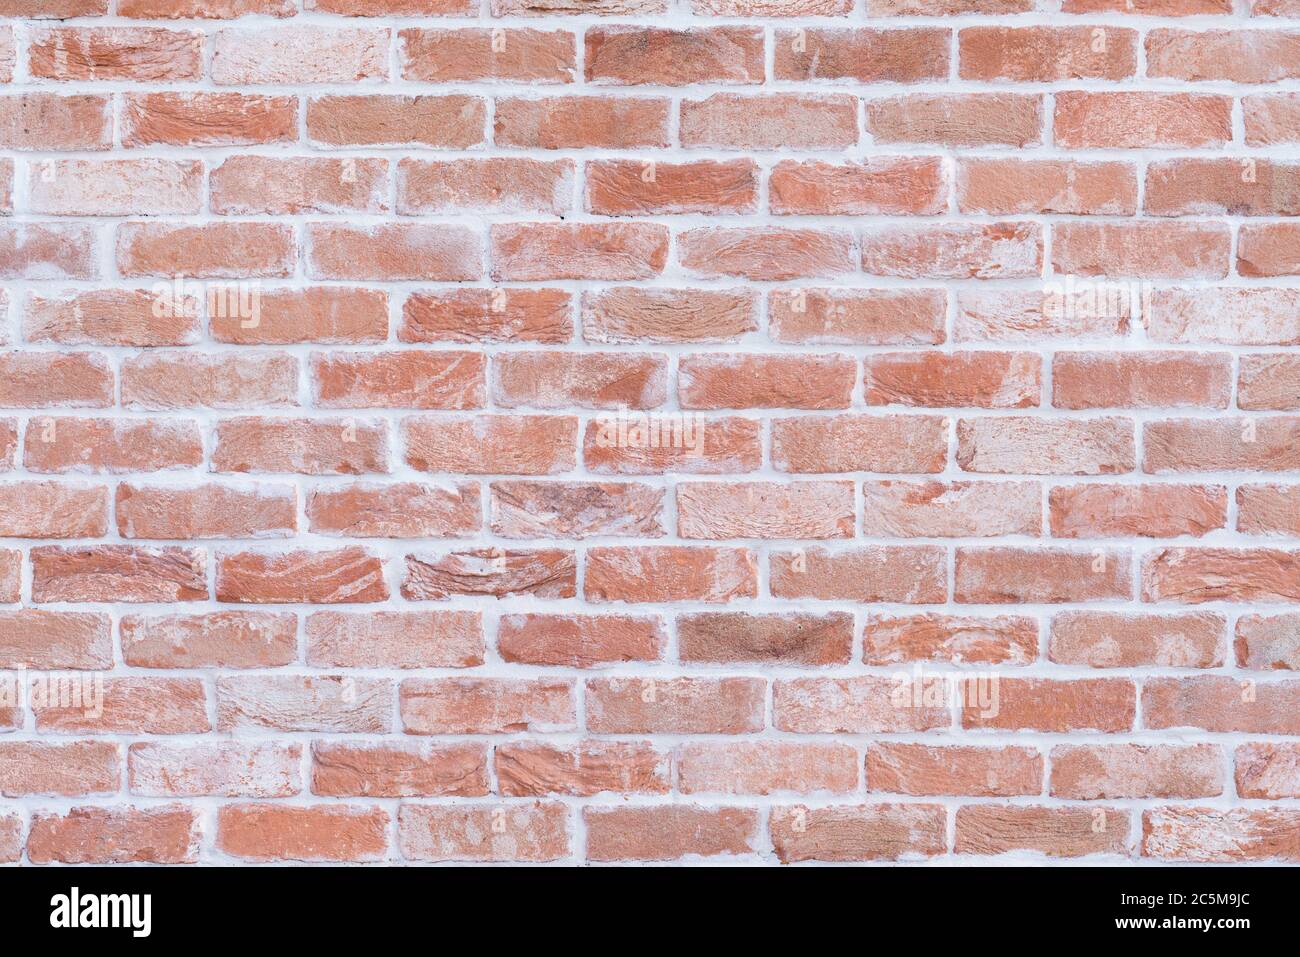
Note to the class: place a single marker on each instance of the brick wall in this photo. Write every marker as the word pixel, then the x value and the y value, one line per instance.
pixel 604 430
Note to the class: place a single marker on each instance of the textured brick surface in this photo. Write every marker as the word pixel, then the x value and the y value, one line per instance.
pixel 563 431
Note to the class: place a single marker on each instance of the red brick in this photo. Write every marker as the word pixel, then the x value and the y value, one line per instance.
pixel 579 641
pixel 1151 511
pixel 867 704
pixel 445 122
pixel 1192 575
pixel 808 510
pixel 1267 771
pixel 869 573
pixel 65 770
pixel 1270 118
pixel 486 705
pixel 593 380
pixel 1240 56
pixel 983 379
pixel 951 509
pixel 305 446
pixel 869 317
pixel 208 251
pixel 1267 509
pixel 761 252
pixel 527 768
pixel 1195 187
pixel 394 251
pixel 547 251
pixel 395 639
pixel 1142 249
pixel 116 573
pixel 498 184
pixel 869 832
pixel 631 187
pixel 957 119
pixel 298 54
pixel 491 444
pixel 980 772
pixel 1141 120
pixel 1093 772
pixel 44 121
pixel 513 832
pixel 469 54
pixel 203 9
pixel 224 639
pixel 1053 831
pixel 785 638
pixel 740 381
pixel 767 767
pixel 975 251
pixel 1042 54
pixel 1193 445
pixel 632 54
pixel 668 573
pixel 866 56
pixel 1103 639
pixel 34 638
pixel 226 769
pixel 207 119
pixel 1007 639
pixel 575 510
pixel 321 577
pixel 265 185
pixel 1100 380
pixel 1226 836
pixel 48 251
pixel 166 834
pixel 111 445
pixel 110 317
pixel 120 187
pixel 630 314
pixel 652 705
pixel 322 832
pixel 1008 574
pixel 409 8
pixel 1222 703
pixel 1268 249
pixel 855 442
pixel 1043 446
pixel 1265 643
pixel 37 509
pixel 398 769
pixel 487 315
pixel 413 379
pixel 769 121
pixel 499 572
pixel 1244 316
pixel 324 314
pixel 131 705
pixel 575 122
pixel 668 832
pixel 1009 187
pixel 1052 705
pixel 326 704
pixel 1154 8
pixel 185 380
pixel 115 53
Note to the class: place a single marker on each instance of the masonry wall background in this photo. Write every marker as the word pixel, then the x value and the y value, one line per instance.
pixel 333 340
